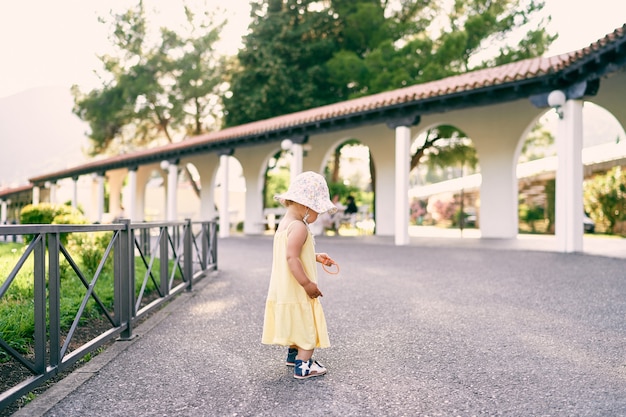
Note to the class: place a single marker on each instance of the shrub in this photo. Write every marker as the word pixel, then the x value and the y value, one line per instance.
pixel 90 248
pixel 418 211
pixel 605 198
pixel 530 215
pixel 46 213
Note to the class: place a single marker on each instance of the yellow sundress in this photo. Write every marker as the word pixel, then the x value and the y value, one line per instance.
pixel 291 317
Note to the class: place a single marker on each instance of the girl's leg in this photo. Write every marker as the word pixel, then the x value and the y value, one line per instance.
pixel 304 355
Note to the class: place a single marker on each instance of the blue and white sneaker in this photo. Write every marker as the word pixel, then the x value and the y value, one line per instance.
pixel 308 369
pixel 291 356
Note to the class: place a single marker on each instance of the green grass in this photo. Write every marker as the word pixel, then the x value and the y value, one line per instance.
pixel 17 305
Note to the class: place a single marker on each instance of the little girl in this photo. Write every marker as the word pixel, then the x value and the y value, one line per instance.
pixel 293 312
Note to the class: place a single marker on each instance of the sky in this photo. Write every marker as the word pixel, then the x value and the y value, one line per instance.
pixel 46 43
pixel 49 43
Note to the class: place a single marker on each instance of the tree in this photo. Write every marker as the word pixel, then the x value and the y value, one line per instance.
pixel 538 144
pixel 276 180
pixel 281 68
pixel 301 54
pixel 155 91
pixel 445 146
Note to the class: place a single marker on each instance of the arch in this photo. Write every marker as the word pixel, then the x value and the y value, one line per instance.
pixel 601 150
pixel 254 162
pixel 356 177
pixel 441 202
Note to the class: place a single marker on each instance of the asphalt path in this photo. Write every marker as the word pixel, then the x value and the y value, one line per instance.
pixel 417 330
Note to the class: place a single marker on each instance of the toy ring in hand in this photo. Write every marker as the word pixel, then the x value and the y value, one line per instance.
pixel 324 267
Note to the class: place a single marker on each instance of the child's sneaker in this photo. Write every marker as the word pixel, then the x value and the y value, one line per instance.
pixel 291 356
pixel 307 369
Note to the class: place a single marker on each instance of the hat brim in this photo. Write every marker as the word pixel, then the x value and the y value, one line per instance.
pixel 317 206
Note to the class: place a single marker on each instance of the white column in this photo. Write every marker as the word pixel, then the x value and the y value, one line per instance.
pixel 131 205
pixel 36 195
pixel 52 186
pixel 403 138
pixel 253 174
pixel 224 209
pixel 569 179
pixel 100 185
pixel 3 212
pixel 208 166
pixel 172 191
pixel 115 180
pixel 143 176
pixel 75 192
pixel 296 147
pixel 296 163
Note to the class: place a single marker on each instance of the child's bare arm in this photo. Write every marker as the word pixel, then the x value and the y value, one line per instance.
pixel 297 236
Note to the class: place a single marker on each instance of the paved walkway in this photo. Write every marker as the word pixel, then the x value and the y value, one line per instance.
pixel 441 327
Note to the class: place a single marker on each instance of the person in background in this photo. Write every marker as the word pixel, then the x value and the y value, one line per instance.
pixel 335 218
pixel 351 210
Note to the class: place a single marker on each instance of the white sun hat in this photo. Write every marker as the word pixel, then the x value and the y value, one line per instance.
pixel 310 190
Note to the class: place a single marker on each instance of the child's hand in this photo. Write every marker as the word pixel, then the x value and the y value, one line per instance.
pixel 312 290
pixel 324 259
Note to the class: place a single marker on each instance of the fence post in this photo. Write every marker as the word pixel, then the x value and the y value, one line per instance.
pixel 54 293
pixel 213 237
pixel 204 240
pixel 188 254
pixel 124 276
pixel 40 304
pixel 164 256
pixel 145 241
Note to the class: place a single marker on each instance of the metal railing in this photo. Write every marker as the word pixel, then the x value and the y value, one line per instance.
pixel 170 256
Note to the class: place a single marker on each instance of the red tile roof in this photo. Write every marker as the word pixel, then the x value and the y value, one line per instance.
pixel 8 192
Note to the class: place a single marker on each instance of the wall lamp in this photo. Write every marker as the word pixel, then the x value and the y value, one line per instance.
pixel 556 100
pixel 286 144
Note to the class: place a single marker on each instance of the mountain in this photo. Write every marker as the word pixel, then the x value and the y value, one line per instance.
pixel 39 134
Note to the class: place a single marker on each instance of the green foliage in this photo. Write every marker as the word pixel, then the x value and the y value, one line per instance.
pixel 277 182
pixel 605 197
pixel 443 147
pixel 47 213
pixel 456 219
pixel 530 215
pixel 162 87
pixel 550 190
pixel 17 325
pixel 90 248
pixel 17 304
pixel 297 56
pixel 281 68
pixel 43 213
pixel 342 190
pixel 537 145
